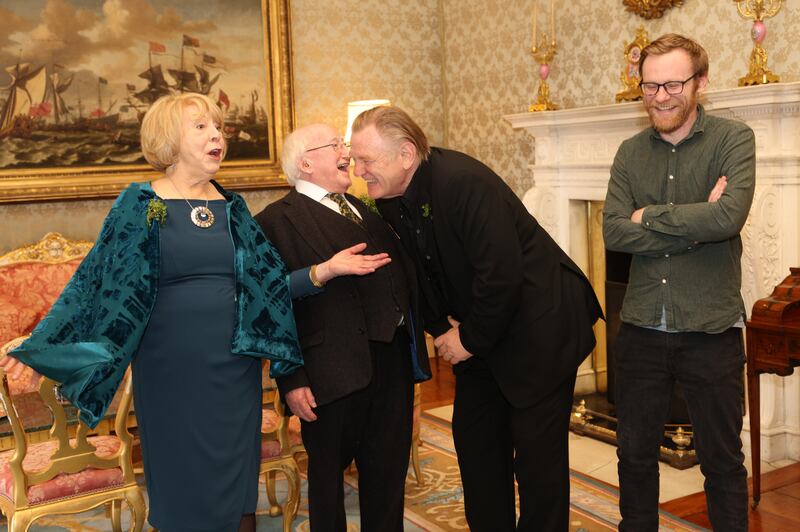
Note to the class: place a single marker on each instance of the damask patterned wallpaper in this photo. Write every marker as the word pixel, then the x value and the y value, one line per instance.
pixel 458 66
pixel 490 72
pixel 345 50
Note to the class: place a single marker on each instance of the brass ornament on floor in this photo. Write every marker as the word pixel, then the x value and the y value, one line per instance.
pixel 630 75
pixel 758 10
pixel 676 447
pixel 650 9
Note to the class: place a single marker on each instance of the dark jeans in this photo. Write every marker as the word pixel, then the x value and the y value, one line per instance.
pixel 709 369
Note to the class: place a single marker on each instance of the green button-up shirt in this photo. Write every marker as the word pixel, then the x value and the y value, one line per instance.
pixel 687 251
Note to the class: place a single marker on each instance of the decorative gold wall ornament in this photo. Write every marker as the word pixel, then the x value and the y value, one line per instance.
pixel 630 76
pixel 650 9
pixel 543 50
pixel 758 10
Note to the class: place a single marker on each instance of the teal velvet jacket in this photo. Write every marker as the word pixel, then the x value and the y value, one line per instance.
pixel 93 330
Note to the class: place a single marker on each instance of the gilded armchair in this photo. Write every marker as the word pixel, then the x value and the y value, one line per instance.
pixel 31 279
pixel 65 474
pixel 280 443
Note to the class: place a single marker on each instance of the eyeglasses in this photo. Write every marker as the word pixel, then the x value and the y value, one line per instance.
pixel 672 88
pixel 338 144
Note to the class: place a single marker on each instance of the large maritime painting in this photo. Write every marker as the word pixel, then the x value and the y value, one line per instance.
pixel 77 76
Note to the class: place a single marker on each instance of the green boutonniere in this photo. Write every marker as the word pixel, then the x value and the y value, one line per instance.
pixel 156 210
pixel 426 210
pixel 370 203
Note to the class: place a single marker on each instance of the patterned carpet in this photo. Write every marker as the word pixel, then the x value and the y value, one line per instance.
pixel 436 507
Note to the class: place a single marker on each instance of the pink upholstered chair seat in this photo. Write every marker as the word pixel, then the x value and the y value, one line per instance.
pixel 269 422
pixel 63 485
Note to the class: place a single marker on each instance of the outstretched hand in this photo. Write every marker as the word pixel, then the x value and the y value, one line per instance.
pixel 350 261
pixel 14 368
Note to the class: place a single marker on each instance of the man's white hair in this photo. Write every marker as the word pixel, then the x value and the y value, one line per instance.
pixel 294 146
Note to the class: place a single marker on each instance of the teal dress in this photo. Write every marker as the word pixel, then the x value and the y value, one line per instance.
pixel 198 405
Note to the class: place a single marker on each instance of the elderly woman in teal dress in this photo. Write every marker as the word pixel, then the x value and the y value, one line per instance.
pixel 183 285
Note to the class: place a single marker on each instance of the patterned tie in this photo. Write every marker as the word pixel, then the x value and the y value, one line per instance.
pixel 344 208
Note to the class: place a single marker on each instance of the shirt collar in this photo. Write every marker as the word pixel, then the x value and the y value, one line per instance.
pixel 417 190
pixel 312 190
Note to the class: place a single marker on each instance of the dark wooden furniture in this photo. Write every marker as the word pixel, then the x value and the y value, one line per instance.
pixel 773 346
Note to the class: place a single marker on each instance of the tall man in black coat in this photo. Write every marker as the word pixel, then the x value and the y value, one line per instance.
pixel 361 336
pixel 507 306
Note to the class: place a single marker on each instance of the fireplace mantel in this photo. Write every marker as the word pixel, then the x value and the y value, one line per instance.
pixel 574 149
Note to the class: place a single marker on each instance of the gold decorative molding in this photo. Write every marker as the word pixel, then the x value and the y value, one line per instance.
pixel 758 10
pixel 630 75
pixel 650 9
pixel 51 249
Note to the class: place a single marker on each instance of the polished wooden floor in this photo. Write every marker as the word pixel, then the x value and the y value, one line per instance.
pixel 441 388
pixel 778 511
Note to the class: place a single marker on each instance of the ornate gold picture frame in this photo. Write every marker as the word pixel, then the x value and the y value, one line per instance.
pixel 650 9
pixel 69 103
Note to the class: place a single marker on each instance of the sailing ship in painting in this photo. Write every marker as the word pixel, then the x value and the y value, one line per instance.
pixel 46 120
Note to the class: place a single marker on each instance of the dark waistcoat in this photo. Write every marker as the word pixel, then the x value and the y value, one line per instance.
pixel 384 293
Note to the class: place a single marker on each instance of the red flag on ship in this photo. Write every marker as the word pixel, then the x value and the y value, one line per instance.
pixel 40 110
pixel 223 99
pixel 191 41
pixel 157 48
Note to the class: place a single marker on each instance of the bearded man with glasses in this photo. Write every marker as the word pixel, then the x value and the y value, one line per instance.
pixel 678 197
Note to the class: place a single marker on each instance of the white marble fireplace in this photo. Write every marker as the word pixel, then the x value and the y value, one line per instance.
pixel 574 149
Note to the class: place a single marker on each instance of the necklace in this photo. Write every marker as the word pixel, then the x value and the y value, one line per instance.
pixel 201 215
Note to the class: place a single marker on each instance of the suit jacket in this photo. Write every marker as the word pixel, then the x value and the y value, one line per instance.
pixel 525 307
pixel 332 325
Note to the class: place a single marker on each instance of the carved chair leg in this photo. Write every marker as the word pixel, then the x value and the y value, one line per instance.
pixel 138 509
pixel 292 496
pixel 415 463
pixel 274 507
pixel 19 522
pixel 115 508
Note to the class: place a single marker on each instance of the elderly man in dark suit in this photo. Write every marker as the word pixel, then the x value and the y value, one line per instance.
pixel 362 341
pixel 509 310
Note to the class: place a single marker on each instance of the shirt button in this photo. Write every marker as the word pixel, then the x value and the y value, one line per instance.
pixel 671 176
pixel 666 256
pixel 647 224
pixel 671 203
pixel 427 257
pixel 663 281
pixel 673 150
pixel 418 231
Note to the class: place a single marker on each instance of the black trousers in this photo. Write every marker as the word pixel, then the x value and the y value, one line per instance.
pixel 373 427
pixel 496 442
pixel 709 369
